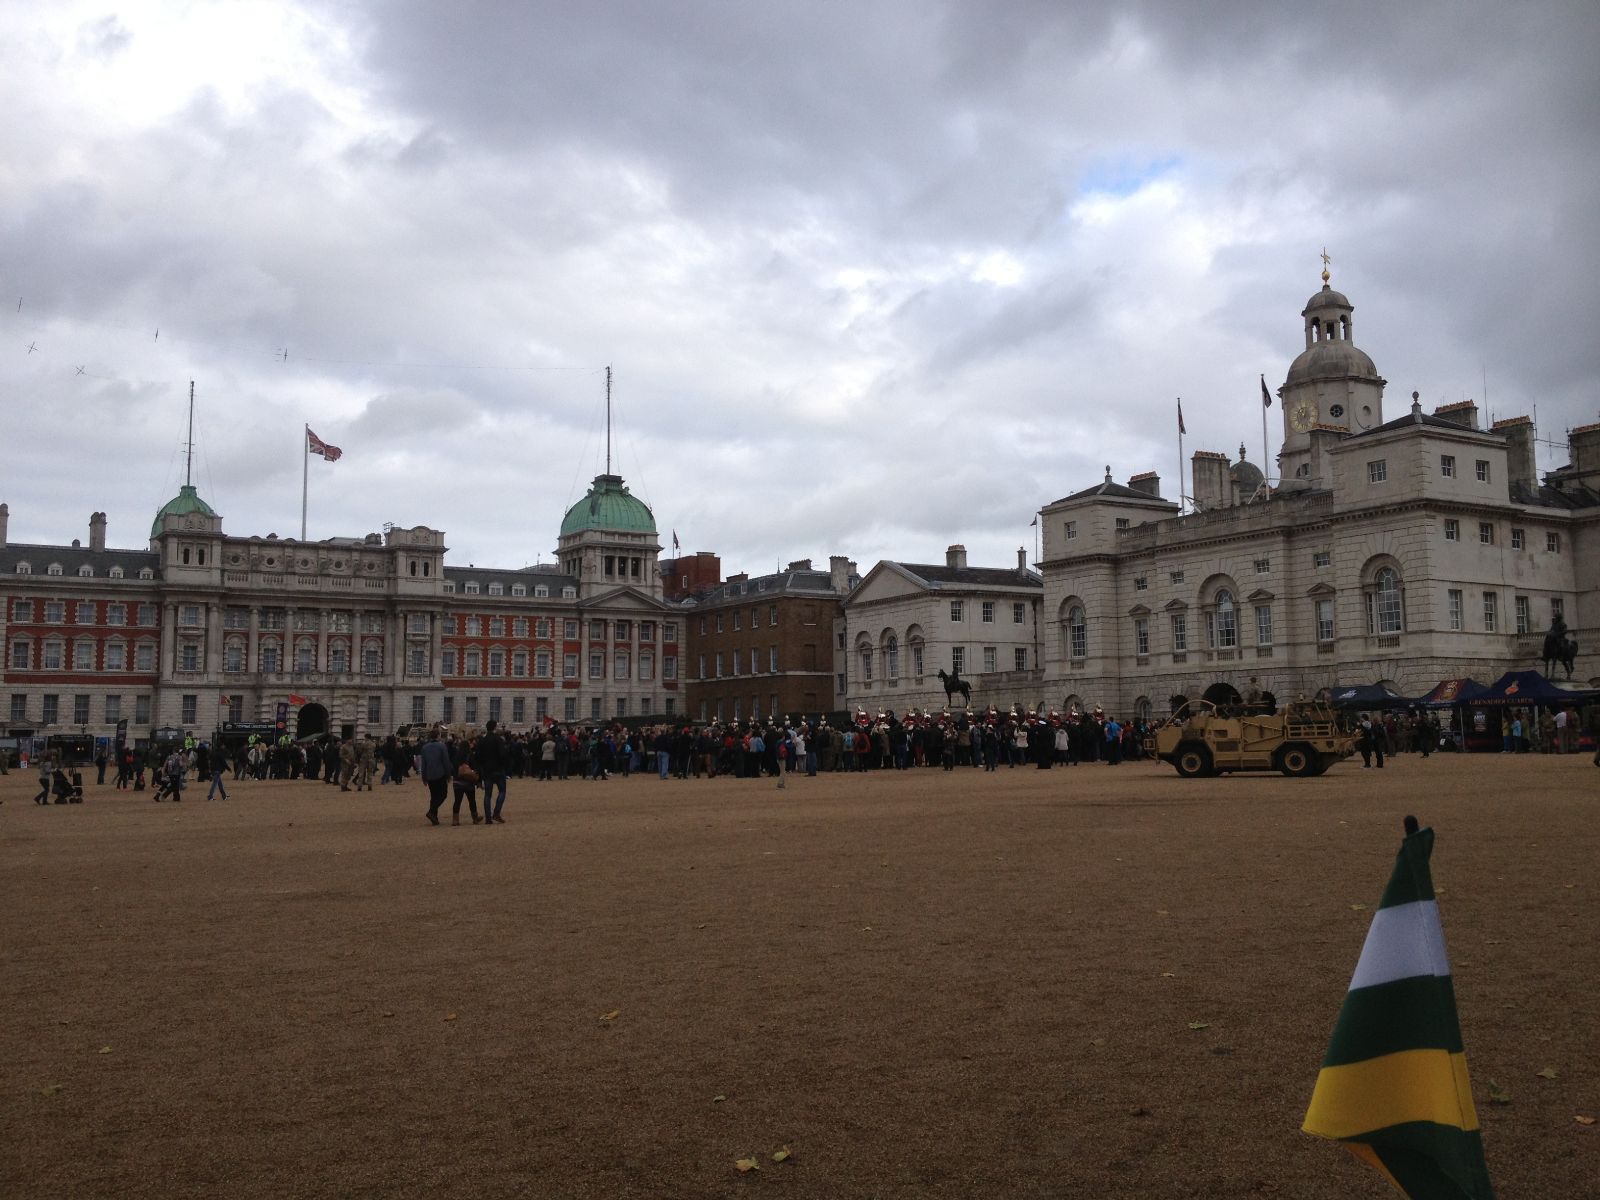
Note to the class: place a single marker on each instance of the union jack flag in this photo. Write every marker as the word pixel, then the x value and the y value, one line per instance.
pixel 316 445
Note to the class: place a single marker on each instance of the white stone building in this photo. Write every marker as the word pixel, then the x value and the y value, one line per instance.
pixel 906 622
pixel 1401 551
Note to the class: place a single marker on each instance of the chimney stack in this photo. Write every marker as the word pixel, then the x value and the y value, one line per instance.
pixel 97 531
pixel 1522 468
pixel 839 573
pixel 1022 558
pixel 1147 482
pixel 1463 413
pixel 1210 479
pixel 5 519
pixel 956 557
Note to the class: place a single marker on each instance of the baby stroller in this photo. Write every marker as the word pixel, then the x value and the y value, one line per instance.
pixel 67 789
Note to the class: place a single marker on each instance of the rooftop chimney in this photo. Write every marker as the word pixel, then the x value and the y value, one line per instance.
pixel 5 519
pixel 1022 558
pixel 839 573
pixel 800 564
pixel 1522 469
pixel 1147 482
pixel 956 557
pixel 97 531
pixel 1463 413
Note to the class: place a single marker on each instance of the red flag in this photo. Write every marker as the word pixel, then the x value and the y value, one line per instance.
pixel 298 701
pixel 1181 429
pixel 316 445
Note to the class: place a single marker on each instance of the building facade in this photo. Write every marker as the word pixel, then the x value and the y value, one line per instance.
pixel 352 634
pixel 907 622
pixel 1402 551
pixel 764 646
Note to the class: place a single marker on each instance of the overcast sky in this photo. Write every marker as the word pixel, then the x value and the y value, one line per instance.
pixel 872 277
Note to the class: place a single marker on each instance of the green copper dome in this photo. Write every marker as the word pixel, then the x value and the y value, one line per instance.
pixel 185 502
pixel 608 506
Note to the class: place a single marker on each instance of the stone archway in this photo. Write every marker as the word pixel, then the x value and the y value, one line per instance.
pixel 1220 693
pixel 312 719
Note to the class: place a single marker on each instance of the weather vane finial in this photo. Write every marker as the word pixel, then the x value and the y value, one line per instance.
pixel 1325 261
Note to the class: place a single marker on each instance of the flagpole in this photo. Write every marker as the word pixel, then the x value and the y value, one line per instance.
pixel 1266 476
pixel 1180 456
pixel 305 476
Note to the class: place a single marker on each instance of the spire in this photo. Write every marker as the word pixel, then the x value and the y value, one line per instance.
pixel 188 456
pixel 1325 261
pixel 608 420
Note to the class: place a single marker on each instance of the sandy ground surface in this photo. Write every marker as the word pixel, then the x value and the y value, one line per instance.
pixel 920 984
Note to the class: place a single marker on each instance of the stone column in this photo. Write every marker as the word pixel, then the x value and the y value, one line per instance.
pixel 253 641
pixel 213 658
pixel 170 633
pixel 322 640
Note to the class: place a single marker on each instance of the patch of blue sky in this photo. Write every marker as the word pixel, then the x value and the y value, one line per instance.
pixel 1126 175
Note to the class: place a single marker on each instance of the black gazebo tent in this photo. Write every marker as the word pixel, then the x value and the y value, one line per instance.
pixel 1528 689
pixel 1367 696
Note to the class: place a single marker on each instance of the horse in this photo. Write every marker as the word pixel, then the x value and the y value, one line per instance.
pixel 953 683
pixel 1559 649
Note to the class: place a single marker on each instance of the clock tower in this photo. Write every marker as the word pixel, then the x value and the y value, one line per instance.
pixel 1332 386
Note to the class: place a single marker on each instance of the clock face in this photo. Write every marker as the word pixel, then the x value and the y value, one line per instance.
pixel 1337 410
pixel 1302 416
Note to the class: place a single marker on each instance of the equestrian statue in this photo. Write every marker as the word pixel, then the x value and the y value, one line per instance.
pixel 1558 647
pixel 953 683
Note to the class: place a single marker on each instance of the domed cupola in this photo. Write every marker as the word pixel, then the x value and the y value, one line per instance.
pixel 1332 385
pixel 608 540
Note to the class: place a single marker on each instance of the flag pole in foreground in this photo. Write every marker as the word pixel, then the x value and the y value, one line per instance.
pixel 1393 1086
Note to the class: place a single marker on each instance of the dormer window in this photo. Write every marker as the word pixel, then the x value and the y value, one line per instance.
pixel 86 572
pixel 115 573
pixel 146 573
pixel 497 589
pixel 24 568
pixel 53 569
pixel 519 589
pixel 472 588
pixel 541 591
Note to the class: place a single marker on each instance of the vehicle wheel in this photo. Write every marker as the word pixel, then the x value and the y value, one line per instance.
pixel 1192 760
pixel 1298 760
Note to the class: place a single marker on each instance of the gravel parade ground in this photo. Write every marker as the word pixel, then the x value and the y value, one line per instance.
pixel 1088 982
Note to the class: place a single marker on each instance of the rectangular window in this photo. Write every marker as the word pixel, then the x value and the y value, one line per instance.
pixel 772 616
pixel 569 628
pixel 52 709
pixel 1377 470
pixel 719 623
pixel 1456 603
pixel 990 658
pixel 449 714
pixel 189 614
pixel 669 631
pixel 269 659
pixel 19 708
pixel 497 627
pixel 624 631
pixel 622 701
pixel 1552 543
pixel 1558 608
pixel 620 664
pixel 22 611
pixel 569 666
pixel 417 662
pixel 474 662
pixel 1324 616
pixel 113 709
pixel 1019 613
pixel 669 666
pixel 84 615
pixel 1452 529
pixel 1524 612
pixel 988 612
pixel 718 663
pixel 141 710
pixel 1176 576
pixel 1483 470
pixel 541 708
pixel 738 620
pixel 1019 657
pixel 52 656
pixel 1122 523
pixel 236 708
pixel 417 623
pixel 80 710
pixel 371 661
pixel 497 663
pixel 647 665
pixel 83 656
pixel 147 615
pixel 55 612
pixel 597 631
pixel 470 713
pixel 374 710
pixel 958 658
pixel 419 709
pixel 1071 529
pixel 447 662
pixel 738 656
pixel 772 659
pixel 569 709
pixel 1180 633
pixel 496 706
pixel 189 657
pixel 116 614
pixel 597 664
pixel 519 663
pixel 1447 465
pixel 1140 583
pixel 1263 566
pixel 1486 532
pixel 956 610
pixel 1263 624
pixel 541 663
pixel 1491 611
pixel 189 706
pixel 1516 539
pixel 647 631
pixel 519 710
pixel 1321 558
pixel 1141 635
pixel 594 708
pixel 21 655
pixel 541 627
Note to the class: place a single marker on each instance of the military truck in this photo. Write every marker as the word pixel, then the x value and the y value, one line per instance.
pixel 1203 739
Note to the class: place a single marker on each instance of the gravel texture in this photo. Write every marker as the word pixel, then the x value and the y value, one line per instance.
pixel 920 984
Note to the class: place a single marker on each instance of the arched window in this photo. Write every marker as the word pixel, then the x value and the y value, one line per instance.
pixel 1386 603
pixel 866 663
pixel 1077 632
pixel 1142 709
pixel 1222 622
pixel 53 569
pixel 24 568
pixel 891 657
pixel 115 572
pixel 86 572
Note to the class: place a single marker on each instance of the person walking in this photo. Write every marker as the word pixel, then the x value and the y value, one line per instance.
pixel 435 771
pixel 100 761
pixel 44 780
pixel 219 773
pixel 490 759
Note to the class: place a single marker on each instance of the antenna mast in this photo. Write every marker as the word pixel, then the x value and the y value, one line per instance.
pixel 188 458
pixel 608 420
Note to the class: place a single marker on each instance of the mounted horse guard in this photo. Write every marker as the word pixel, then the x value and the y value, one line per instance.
pixel 953 683
pixel 1558 647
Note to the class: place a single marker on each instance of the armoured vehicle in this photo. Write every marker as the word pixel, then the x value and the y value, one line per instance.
pixel 1203 739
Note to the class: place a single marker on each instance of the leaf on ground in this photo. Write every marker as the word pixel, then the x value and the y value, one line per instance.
pixel 1168 975
pixel 1547 1073
pixel 451 1016
pixel 718 1098
pixel 746 1165
pixel 387 1014
pixel 1199 1024
pixel 781 1155
pixel 1498 1094
pixel 50 1089
pixel 103 1050
pixel 1097 1041
pixel 612 1015
pixel 1583 1120
pixel 1161 912
pixel 1358 908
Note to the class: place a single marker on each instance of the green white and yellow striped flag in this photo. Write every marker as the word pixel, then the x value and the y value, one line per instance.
pixel 1393 1086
